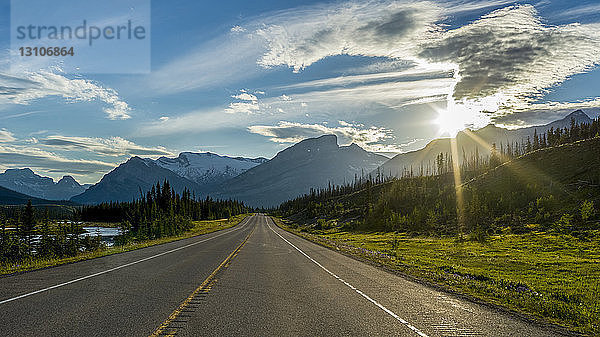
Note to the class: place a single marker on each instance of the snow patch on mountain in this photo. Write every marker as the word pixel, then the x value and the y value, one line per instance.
pixel 207 168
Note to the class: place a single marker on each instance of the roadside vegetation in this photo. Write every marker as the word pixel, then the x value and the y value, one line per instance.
pixel 522 229
pixel 30 240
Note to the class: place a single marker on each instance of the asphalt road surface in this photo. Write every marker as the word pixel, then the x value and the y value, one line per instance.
pixel 251 280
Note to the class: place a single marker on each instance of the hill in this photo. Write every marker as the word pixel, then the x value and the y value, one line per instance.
pixel 10 197
pixel 471 142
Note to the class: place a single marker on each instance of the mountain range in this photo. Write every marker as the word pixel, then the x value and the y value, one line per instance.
pixel 208 169
pixel 311 163
pixel 200 173
pixel 25 181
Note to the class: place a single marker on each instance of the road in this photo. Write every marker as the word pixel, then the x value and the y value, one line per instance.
pixel 251 280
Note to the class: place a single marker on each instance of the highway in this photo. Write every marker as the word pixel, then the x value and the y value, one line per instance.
pixel 251 280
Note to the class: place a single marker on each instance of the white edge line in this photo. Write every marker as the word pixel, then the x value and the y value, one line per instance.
pixel 380 306
pixel 122 266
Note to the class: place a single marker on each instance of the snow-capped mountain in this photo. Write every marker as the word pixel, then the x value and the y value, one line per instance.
pixel 131 179
pixel 207 169
pixel 198 172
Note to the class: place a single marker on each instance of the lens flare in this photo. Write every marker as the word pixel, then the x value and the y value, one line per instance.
pixel 465 114
pixel 449 123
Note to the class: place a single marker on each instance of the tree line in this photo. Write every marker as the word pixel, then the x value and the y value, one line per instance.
pixel 29 233
pixel 161 212
pixel 32 234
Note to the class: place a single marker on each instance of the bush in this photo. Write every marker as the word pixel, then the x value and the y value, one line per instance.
pixel 564 222
pixel 587 210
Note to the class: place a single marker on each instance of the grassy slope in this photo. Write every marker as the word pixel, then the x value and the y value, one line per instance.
pixel 200 228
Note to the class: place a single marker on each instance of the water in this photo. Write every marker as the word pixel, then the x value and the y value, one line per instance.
pixel 107 234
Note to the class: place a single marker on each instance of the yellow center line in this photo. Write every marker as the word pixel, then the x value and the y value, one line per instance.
pixel 204 287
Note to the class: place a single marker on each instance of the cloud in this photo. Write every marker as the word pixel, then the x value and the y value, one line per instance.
pixel 6 136
pixel 248 104
pixel 33 86
pixel 195 121
pixel 371 28
pixel 409 75
pixel 244 96
pixel 237 29
pixel 243 107
pixel 391 93
pixel 502 62
pixel 370 139
pixel 114 146
pixel 230 58
pixel 577 12
pixel 15 156
pixel 512 52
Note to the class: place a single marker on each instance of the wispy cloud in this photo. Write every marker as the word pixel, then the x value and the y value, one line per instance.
pixel 29 87
pixel 18 156
pixel 6 136
pixel 194 121
pixel 83 157
pixel 221 61
pixel 389 93
pixel 579 11
pixel 369 138
pixel 114 146
pixel 410 75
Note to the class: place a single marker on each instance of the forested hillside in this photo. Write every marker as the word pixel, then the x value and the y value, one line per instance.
pixel 555 184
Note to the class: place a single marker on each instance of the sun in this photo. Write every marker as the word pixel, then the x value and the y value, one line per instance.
pixel 450 122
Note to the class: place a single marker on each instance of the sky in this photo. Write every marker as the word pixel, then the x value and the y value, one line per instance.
pixel 250 78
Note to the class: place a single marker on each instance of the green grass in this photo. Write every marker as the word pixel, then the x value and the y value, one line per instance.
pixel 552 276
pixel 200 228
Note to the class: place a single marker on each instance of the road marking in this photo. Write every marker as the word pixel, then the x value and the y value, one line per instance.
pixel 380 306
pixel 122 266
pixel 204 287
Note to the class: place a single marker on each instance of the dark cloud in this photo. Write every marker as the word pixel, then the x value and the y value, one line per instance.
pixel 511 51
pixel 397 24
